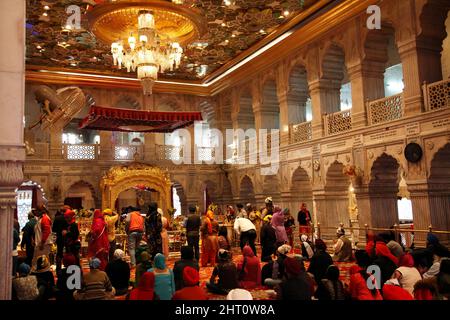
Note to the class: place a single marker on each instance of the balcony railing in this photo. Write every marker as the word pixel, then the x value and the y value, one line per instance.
pixel 81 151
pixel 165 152
pixel 128 152
pixel 338 122
pixel 437 95
pixel 300 132
pixel 386 109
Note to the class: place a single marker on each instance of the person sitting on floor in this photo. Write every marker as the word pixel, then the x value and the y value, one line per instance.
pixel 164 279
pixel 394 247
pixel 438 251
pixel 393 291
pixel 320 261
pixel 25 286
pixel 64 293
pixel 426 289
pixel 382 257
pixel 145 289
pixel 295 284
pixel 45 278
pixel 443 279
pixel 330 287
pixel 358 279
pixel 343 248
pixel 307 249
pixel 191 289
pixel 96 284
pixel 249 269
pixel 239 294
pixel 118 272
pixel 144 263
pixel 226 271
pixel 406 274
pixel 223 238
pixel 187 259
pixel 273 272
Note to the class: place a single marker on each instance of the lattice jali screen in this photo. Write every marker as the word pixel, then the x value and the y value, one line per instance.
pixel 338 122
pixel 437 95
pixel 125 152
pixel 80 151
pixel 301 132
pixel 386 109
pixel 205 153
pixel 169 152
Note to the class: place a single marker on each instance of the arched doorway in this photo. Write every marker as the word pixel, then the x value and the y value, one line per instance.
pixel 122 178
pixel 81 195
pixel 209 192
pixel 301 191
pixel 271 188
pixel 29 195
pixel 246 191
pixel 179 201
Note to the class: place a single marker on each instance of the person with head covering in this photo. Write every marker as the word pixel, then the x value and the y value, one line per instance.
pixel 392 290
pixel 358 288
pixel 343 251
pixel 246 231
pixel 98 243
pixel 164 234
pixel 145 289
pixel 241 211
pixel 406 274
pixel 64 293
pixel 71 236
pixel 268 239
pixel 96 284
pixel 144 264
pixel 230 214
pixel 164 279
pixel 330 287
pixel 272 273
pixel 153 228
pixel 45 278
pixel 278 224
pixel 134 226
pixel 118 272
pixel 111 219
pixel 383 258
pixel 268 209
pixel 289 226
pixel 226 271
pixel 438 252
pixel 295 284
pixel 426 289
pixel 306 245
pixel 25 286
pixel 27 242
pixel 210 241
pixel 239 294
pixel 59 225
pixel 223 238
pixel 304 219
pixel 249 269
pixel 191 289
pixel 193 224
pixel 320 261
pixel 393 246
pixel 42 233
pixel 443 279
pixel 187 260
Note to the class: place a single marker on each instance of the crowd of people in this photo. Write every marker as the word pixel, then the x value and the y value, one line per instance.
pixel 310 272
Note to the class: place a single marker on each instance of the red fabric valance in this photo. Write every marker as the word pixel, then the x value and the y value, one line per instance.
pixel 126 120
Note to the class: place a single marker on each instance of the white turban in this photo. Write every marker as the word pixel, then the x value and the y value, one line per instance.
pixel 119 254
pixel 239 294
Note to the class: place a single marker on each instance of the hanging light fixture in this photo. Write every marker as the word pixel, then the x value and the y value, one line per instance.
pixel 146 53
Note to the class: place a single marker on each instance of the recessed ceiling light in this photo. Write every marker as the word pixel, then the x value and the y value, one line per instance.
pixel 73 64
pixel 262 31
pixel 223 24
pixel 38 47
pixel 233 35
pixel 286 13
pixel 227 41
pixel 46 8
pixel 45 14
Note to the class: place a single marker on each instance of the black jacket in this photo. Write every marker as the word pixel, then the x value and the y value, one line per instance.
pixel 193 224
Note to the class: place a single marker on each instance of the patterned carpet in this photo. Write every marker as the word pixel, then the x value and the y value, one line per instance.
pixel 260 293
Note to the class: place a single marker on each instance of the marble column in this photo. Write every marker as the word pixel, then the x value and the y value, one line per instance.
pixel 106 146
pixel 12 150
pixel 284 118
pixel 56 146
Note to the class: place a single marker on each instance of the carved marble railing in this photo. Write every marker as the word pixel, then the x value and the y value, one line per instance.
pixel 338 122
pixel 300 132
pixel 205 153
pixel 81 151
pixel 437 95
pixel 128 152
pixel 386 109
pixel 166 152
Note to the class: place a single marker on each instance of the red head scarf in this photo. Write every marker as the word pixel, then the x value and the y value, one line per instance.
pixel 190 276
pixel 69 215
pixel 406 260
pixel 145 289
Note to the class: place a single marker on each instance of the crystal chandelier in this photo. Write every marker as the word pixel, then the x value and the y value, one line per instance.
pixel 146 53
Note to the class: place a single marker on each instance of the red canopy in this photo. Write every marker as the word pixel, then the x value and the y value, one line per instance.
pixel 113 119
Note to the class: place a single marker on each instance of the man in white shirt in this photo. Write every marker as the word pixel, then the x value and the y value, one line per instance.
pixel 247 232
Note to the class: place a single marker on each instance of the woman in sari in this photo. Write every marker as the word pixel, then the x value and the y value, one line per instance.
pixel 99 243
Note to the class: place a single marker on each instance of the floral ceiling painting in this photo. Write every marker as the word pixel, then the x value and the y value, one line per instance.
pixel 231 28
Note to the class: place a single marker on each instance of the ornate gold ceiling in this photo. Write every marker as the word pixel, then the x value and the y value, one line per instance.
pixel 224 31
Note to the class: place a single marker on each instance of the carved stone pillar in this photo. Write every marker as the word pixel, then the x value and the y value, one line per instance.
pixel 284 118
pixel 364 213
pixel 56 151
pixel 106 146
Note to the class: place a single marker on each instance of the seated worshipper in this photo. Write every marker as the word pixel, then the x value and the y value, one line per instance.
pixel 320 261
pixel 191 289
pixel 144 263
pixel 268 239
pixel 223 238
pixel 330 287
pixel 343 248
pixel 278 224
pixel 426 289
pixel 118 272
pixel 443 279
pixel 25 286
pixel 439 251
pixel 96 284
pixel 246 230
pixel 164 280
pixel 239 294
pixel 393 291
pixel 307 250
pixel 295 284
pixel 45 278
pixel 382 257
pixel 394 247
pixel 358 279
pixel 249 269
pixel 406 274
pixel 187 260
pixel 226 271
pixel 63 292
pixel 145 288
pixel 273 272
